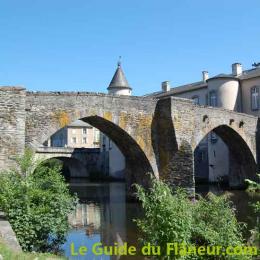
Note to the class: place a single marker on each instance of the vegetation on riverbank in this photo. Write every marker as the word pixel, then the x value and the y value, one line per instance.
pixel 253 186
pixel 9 254
pixel 36 201
pixel 174 217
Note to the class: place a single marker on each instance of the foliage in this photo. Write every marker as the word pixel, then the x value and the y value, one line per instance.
pixel 36 203
pixel 256 231
pixel 162 222
pixel 215 222
pixel 253 186
pixel 9 254
pixel 174 217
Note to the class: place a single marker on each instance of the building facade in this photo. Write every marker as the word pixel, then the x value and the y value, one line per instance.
pixel 78 134
pixel 237 91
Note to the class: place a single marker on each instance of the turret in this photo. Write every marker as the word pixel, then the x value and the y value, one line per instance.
pixel 119 84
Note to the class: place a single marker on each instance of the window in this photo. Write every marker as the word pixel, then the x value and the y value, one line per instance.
pixel 255 98
pixel 110 144
pixel 74 140
pixel 196 100
pixel 96 136
pixel 74 131
pixel 213 98
pixel 84 130
pixel 84 140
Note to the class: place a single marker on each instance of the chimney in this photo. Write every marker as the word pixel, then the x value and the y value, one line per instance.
pixel 236 69
pixel 205 76
pixel 166 86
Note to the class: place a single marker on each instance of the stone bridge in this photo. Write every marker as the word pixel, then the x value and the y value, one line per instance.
pixel 78 161
pixel 156 136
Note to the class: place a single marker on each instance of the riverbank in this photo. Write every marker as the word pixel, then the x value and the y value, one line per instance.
pixel 7 253
pixel 7 234
pixel 10 248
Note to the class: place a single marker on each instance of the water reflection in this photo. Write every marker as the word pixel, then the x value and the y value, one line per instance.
pixel 104 216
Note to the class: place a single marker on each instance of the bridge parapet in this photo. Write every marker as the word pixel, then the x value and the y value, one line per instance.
pixel 65 150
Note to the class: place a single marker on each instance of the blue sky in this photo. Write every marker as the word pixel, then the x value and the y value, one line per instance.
pixel 56 45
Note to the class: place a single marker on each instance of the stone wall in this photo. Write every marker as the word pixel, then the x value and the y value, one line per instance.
pixel 12 124
pixel 124 119
pixel 157 136
pixel 178 128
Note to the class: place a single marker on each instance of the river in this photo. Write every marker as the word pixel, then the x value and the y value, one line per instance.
pixel 104 216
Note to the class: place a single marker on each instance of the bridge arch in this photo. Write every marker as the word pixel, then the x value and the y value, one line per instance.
pixel 128 140
pixel 242 161
pixel 71 167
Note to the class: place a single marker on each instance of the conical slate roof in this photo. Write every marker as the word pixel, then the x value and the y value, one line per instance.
pixel 119 80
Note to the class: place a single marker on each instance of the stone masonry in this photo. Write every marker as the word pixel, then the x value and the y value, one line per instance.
pixel 12 124
pixel 156 136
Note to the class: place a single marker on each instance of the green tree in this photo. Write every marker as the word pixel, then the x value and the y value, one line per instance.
pixel 174 217
pixel 36 201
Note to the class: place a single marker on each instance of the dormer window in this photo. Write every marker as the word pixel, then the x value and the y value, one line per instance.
pixel 255 98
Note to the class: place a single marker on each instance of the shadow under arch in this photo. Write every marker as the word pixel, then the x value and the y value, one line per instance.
pixel 71 167
pixel 137 164
pixel 242 164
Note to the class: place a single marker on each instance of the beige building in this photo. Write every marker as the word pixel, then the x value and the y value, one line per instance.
pixel 238 91
pixel 76 135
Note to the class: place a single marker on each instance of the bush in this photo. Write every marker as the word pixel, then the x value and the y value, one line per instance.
pixel 173 217
pixel 255 233
pixel 36 203
pixel 215 222
pixel 253 186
